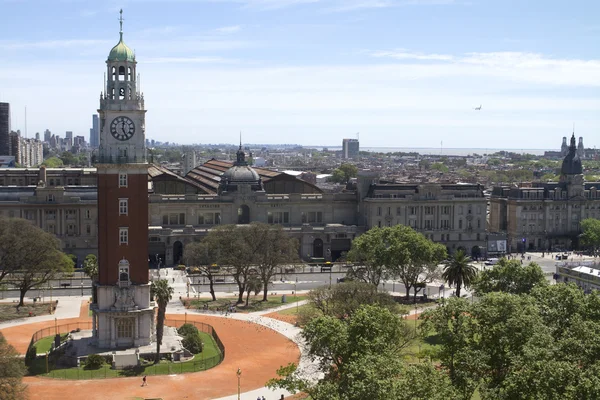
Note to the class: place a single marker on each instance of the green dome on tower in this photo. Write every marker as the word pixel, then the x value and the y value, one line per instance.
pixel 121 52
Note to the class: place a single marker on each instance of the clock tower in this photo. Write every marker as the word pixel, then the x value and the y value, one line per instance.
pixel 123 313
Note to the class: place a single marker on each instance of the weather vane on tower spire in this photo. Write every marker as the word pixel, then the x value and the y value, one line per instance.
pixel 121 22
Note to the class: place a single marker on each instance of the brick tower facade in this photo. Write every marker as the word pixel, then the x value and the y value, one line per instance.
pixel 123 312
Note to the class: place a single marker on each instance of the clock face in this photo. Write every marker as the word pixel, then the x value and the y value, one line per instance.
pixel 122 128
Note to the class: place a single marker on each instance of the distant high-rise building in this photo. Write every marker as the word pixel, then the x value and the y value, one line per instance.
pixel 94 131
pixel 31 152
pixel 564 148
pixel 350 148
pixel 68 140
pixel 4 129
pixel 37 136
pixel 47 135
pixel 79 142
pixel 14 145
pixel 580 148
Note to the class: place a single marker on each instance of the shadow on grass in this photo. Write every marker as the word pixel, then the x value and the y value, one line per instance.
pixel 433 340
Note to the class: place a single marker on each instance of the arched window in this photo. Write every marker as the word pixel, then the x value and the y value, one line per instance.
pixel 129 78
pixel 122 93
pixel 121 73
pixel 129 92
pixel 114 73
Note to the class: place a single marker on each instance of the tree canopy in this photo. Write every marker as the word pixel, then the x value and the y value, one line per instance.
pixel 343 173
pixel 31 256
pixel 590 235
pixel 361 358
pixel 12 369
pixel 541 345
pixel 509 276
pixel 398 252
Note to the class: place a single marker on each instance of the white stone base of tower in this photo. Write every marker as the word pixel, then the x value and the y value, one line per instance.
pixel 123 316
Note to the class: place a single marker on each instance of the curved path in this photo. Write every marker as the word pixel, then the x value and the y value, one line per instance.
pixel 256 344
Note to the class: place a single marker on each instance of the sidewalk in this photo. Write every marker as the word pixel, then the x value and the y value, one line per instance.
pixel 67 307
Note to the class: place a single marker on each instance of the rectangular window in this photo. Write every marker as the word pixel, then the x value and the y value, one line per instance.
pixel 445 224
pixel 460 224
pixel 172 219
pixel 412 210
pixel 123 235
pixel 278 217
pixel 165 220
pixel 122 180
pixel 182 219
pixel 312 217
pixel 50 214
pixel 378 211
pixel 460 236
pixel 87 214
pixel 123 206
pixel 208 219
pixel 427 224
pixel 88 229
pixel 217 218
pixel 398 210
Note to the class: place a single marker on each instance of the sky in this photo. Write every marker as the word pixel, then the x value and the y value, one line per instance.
pixel 400 73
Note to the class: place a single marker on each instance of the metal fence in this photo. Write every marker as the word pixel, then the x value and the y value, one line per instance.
pixel 50 364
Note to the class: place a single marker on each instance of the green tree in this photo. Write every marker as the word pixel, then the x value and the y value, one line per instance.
pixel 459 271
pixel 343 173
pixel 360 358
pixel 413 258
pixel 343 300
pixel 90 266
pixel 236 251
pixel 370 254
pixel 438 166
pixel 203 255
pixel 274 249
pixel 12 369
pixel 591 233
pixel 31 256
pixel 509 276
pixel 162 293
pixel 53 162
pixel 68 158
pixel 254 284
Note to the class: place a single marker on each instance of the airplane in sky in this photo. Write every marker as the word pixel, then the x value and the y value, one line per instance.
pixel 478 108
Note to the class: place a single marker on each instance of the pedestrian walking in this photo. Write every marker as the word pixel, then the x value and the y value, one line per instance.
pixel 144 381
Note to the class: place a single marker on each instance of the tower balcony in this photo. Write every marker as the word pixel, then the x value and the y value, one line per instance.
pixel 110 159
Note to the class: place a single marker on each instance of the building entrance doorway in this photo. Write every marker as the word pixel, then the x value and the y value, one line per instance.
pixel 318 248
pixel 244 215
pixel 177 252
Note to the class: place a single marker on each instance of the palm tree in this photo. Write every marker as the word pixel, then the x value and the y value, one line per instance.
pixel 162 293
pixel 459 272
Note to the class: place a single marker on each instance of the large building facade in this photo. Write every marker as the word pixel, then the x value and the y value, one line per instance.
pixel 123 315
pixel 546 216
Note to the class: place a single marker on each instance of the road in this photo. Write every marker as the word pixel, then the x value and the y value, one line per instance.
pixel 282 282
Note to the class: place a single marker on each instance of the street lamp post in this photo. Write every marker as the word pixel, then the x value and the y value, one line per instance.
pixel 239 376
pixel 296 292
pixel 55 326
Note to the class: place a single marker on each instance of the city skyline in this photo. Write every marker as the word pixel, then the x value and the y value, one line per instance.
pixel 402 73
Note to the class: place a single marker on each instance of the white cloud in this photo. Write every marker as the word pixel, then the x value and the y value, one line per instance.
pixel 406 55
pixel 191 60
pixel 50 44
pixel 228 29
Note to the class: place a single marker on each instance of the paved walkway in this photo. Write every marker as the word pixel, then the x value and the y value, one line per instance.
pixel 257 344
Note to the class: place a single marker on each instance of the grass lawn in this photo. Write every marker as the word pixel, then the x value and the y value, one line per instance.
pixel 209 358
pixel 9 311
pixel 45 344
pixel 295 310
pixel 255 303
